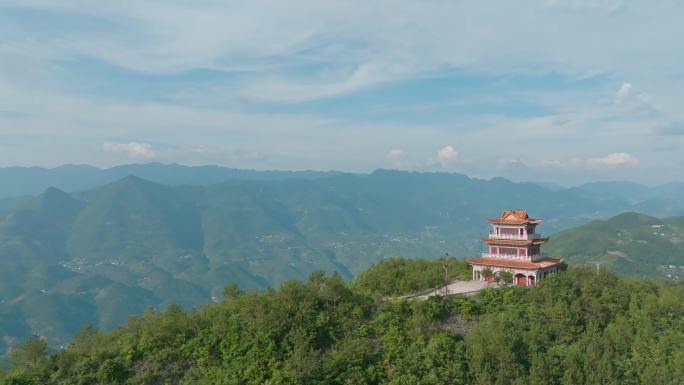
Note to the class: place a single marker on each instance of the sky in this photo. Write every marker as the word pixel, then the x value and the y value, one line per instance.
pixel 561 91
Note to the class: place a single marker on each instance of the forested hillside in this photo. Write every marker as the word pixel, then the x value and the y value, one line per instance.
pixel 577 327
pixel 629 243
pixel 98 256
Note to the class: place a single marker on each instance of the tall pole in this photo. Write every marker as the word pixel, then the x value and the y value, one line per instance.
pixel 446 274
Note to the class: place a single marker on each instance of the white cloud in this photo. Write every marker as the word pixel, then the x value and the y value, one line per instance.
pixel 571 163
pixel 336 83
pixel 628 100
pixel 615 159
pixel 504 164
pixel 134 150
pixel 622 93
pixel 396 157
pixel 447 155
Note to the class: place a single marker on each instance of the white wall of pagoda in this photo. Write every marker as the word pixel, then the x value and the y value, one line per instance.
pixel 531 276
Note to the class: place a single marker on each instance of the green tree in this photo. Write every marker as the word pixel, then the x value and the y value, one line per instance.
pixel 29 355
pixel 397 276
pixel 112 371
pixel 232 290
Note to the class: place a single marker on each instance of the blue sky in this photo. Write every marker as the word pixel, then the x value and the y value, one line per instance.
pixel 549 90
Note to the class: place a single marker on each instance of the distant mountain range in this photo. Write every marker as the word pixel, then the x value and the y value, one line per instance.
pixel 97 256
pixel 629 243
pixel 21 181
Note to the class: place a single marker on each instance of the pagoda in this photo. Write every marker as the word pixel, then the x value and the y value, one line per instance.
pixel 513 245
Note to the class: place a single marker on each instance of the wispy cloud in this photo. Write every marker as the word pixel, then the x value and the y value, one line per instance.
pixel 636 103
pixel 611 160
pixel 396 158
pixel 622 93
pixel 133 150
pixel 571 163
pixel 384 41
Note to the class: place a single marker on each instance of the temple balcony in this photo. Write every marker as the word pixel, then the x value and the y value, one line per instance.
pixel 514 256
pixel 524 237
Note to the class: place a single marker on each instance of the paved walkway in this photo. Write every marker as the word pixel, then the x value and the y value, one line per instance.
pixel 454 287
pixel 457 287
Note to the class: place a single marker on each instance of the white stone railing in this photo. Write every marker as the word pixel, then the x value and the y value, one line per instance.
pixel 513 256
pixel 525 237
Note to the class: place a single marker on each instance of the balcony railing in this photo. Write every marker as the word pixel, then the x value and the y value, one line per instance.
pixel 514 256
pixel 524 237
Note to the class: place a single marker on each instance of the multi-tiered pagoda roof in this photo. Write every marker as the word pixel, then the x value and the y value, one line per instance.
pixel 513 245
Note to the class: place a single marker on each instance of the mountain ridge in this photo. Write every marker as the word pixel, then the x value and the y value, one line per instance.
pixel 22 181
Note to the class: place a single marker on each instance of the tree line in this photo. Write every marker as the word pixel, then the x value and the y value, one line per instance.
pixel 577 327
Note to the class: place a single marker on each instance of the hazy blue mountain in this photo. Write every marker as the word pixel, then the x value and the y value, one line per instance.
pixel 19 181
pixel 673 191
pixel 9 203
pixel 627 190
pixel 99 255
pixel 660 201
pixel 668 195
pixel 551 186
pixel 629 243
pixel 22 181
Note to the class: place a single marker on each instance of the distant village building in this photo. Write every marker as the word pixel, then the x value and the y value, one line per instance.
pixel 514 246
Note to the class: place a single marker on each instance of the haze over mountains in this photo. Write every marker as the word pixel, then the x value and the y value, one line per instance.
pixel 97 256
pixel 662 200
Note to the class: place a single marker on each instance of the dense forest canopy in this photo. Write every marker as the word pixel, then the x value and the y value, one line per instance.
pixel 577 327
pixel 396 276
